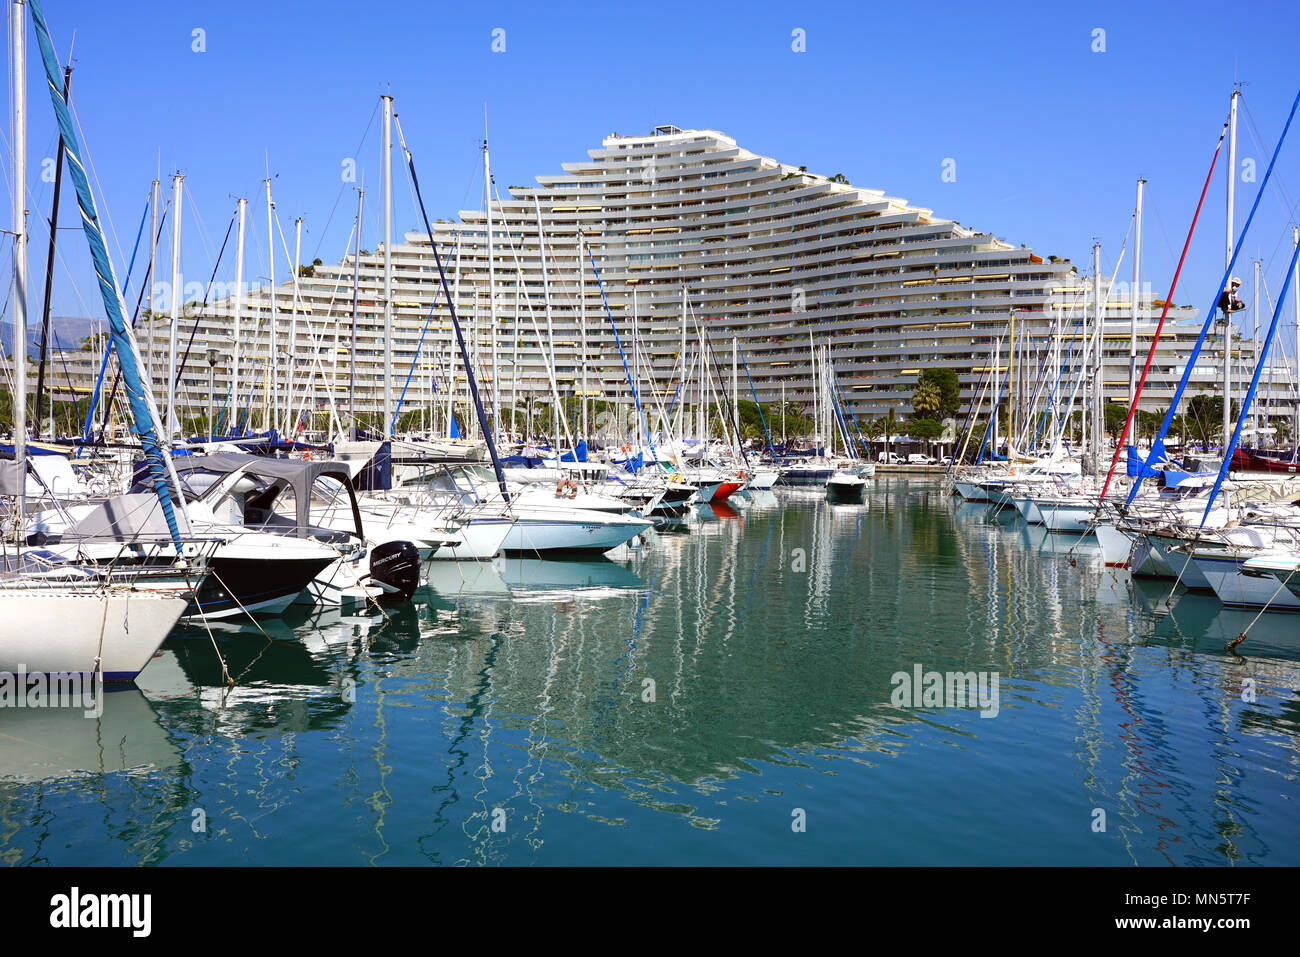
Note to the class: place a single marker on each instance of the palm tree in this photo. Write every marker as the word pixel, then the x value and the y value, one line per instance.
pixel 927 400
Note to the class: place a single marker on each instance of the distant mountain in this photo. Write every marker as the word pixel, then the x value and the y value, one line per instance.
pixel 66 332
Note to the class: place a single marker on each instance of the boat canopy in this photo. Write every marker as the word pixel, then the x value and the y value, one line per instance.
pixel 297 474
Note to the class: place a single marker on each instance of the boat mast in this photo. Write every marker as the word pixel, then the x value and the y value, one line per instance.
pixel 1268 394
pixel 681 433
pixel 1295 281
pixel 735 391
pixel 995 358
pixel 387 163
pixel 352 352
pixel 49 281
pixel 1098 397
pixel 240 216
pixel 1133 304
pixel 451 350
pixel 271 413
pixel 817 422
pixel 492 287
pixel 153 277
pixel 18 31
pixel 582 328
pixel 1227 261
pixel 290 426
pixel 176 304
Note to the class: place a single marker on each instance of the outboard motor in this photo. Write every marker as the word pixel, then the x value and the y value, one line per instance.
pixel 396 566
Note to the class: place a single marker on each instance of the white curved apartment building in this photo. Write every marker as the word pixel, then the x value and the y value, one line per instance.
pixel 763 252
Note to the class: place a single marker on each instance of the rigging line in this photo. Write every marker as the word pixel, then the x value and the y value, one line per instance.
pixel 1160 221
pixel 117 376
pixel 104 364
pixel 345 183
pixel 618 342
pixel 180 371
pixel 204 237
pixel 1282 238
pixel 1155 339
pixel 1293 388
pixel 1157 445
pixel 471 381
pixel 1254 385
pixel 89 160
pixel 1284 198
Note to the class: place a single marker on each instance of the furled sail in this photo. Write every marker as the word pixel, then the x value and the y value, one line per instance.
pixel 144 415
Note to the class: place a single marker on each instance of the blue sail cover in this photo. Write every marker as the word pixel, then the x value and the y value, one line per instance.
pixel 141 420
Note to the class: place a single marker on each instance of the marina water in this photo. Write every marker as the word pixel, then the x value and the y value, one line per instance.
pixel 727 693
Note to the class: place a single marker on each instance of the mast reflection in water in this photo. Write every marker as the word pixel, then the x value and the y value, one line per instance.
pixel 685 702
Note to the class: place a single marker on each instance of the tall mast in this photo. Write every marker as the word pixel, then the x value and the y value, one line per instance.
pixel 388 266
pixel 176 304
pixel 1134 295
pixel 271 415
pixel 49 281
pixel 817 422
pixel 352 352
pixel 995 363
pixel 1254 308
pixel 153 279
pixel 735 388
pixel 1295 299
pixel 293 327
pixel 1227 261
pixel 18 31
pixel 241 216
pixel 582 327
pixel 1011 385
pixel 681 435
pixel 492 288
pixel 451 350
pixel 1056 368
pixel 1098 328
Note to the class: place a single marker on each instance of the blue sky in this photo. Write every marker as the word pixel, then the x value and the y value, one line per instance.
pixel 1048 136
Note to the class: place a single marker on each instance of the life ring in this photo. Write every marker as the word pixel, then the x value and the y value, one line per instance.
pixel 307 457
pixel 625 447
pixel 566 487
pixel 677 479
pixel 742 475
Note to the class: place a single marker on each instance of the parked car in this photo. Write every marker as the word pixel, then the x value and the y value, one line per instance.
pixel 916 458
pixel 889 458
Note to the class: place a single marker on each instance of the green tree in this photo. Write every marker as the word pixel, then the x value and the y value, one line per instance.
pixel 927 430
pixel 1116 414
pixel 937 394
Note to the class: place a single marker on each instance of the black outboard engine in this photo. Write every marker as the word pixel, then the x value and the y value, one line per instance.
pixel 396 566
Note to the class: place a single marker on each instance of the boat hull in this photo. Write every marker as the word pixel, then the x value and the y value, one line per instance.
pixel 50 631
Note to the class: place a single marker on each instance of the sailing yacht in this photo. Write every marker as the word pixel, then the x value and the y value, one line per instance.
pixel 61 619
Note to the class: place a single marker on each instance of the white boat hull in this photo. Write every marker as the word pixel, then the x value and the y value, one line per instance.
pixel 538 531
pixel 1223 572
pixel 65 631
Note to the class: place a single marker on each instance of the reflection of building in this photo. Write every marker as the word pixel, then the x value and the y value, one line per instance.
pixel 765 252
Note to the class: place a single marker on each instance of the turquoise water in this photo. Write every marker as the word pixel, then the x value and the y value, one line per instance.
pixel 507 717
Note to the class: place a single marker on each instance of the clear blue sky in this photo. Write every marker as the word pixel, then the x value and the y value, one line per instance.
pixel 1048 136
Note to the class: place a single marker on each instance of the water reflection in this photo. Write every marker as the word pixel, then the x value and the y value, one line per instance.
pixel 675 704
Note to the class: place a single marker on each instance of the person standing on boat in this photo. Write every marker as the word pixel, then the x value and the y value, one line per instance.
pixel 1230 302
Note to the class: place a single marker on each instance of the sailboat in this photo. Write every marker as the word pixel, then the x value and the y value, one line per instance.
pixel 60 619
